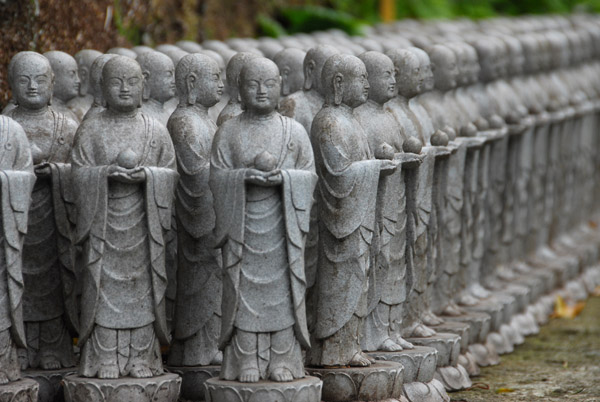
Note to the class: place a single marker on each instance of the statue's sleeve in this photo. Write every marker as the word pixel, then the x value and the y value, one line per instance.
pixel 16 188
pixel 229 196
pixel 194 198
pixel 160 188
pixel 348 188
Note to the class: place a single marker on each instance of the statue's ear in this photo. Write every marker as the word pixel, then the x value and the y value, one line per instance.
pixel 146 90
pixel 308 75
pixel 190 83
pixel 239 86
pixel 338 91
pixel 285 87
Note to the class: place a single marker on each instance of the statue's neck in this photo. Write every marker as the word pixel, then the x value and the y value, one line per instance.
pixel 155 103
pixel 251 115
pixel 119 115
pixel 374 105
pixel 33 112
pixel 197 108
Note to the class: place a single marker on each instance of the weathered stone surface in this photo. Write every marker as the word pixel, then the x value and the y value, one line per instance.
pixel 379 381
pixel 25 390
pixel 164 388
pixel 193 379
pixel 307 389
pixel 50 383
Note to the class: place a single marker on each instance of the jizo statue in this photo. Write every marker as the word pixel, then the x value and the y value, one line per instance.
pixel 82 103
pixel 197 320
pixel 66 81
pixel 98 105
pixel 290 63
pixel 159 87
pixel 347 197
pixel 123 180
pixel 234 67
pixel 49 306
pixel 388 280
pixel 262 178
pixel 16 183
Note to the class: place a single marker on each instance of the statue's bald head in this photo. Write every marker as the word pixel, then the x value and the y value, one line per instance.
pixel 290 62
pixel 313 66
pixel 344 80
pixel 31 80
pixel 96 76
pixel 159 73
pixel 198 79
pixel 66 81
pixel 122 84
pixel 406 65
pixel 84 59
pixel 234 67
pixel 381 76
pixel 445 67
pixel 259 85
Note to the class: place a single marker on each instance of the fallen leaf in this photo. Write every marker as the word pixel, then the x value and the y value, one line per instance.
pixel 593 224
pixel 596 291
pixel 564 310
pixel 504 390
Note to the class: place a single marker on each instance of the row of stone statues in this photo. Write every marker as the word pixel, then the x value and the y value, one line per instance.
pixel 345 218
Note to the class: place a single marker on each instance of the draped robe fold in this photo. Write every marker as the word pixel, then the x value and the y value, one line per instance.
pixel 347 195
pixel 16 183
pixel 122 230
pixel 262 233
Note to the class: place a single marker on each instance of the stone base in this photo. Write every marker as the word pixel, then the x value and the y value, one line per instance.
pixel 378 382
pixel 501 344
pixel 447 345
pixel 432 391
pixel 479 324
pixel 24 390
pixel 192 381
pixel 419 363
pixel 484 354
pixel 454 378
pixel 494 310
pixel 307 389
pixel 50 382
pixel 459 328
pixel 163 388
pixel 467 360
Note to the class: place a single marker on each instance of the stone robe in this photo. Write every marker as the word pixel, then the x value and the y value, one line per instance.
pixel 121 227
pixel 16 183
pixel 262 231
pixel 49 302
pixel 197 320
pixel 347 195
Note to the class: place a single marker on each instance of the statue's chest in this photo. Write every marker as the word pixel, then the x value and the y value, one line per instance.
pixel 118 138
pixel 256 140
pixel 47 139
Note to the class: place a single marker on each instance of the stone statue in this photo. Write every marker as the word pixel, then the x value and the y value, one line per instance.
pixel 197 318
pixel 123 180
pixel 234 67
pixel 16 181
pixel 304 105
pixel 66 81
pixel 98 104
pixel 262 179
pixel 159 87
pixel 49 306
pixel 290 64
pixel 347 195
pixel 387 280
pixel 82 103
pixel 419 182
pixel 122 51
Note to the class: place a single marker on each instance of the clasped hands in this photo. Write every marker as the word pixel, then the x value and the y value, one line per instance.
pixel 266 179
pixel 124 175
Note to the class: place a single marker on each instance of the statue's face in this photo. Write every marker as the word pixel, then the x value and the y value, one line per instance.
pixel 32 86
pixel 448 70
pixel 211 86
pixel 66 79
pixel 382 81
pixel 410 79
pixel 123 88
pixel 355 86
pixel 426 81
pixel 162 80
pixel 260 89
pixel 293 76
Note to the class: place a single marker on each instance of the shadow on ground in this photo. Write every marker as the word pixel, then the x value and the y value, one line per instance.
pixel 561 363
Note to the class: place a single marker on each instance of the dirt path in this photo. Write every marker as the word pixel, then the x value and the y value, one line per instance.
pixel 561 363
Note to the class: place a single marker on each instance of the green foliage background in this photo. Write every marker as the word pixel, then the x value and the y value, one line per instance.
pixel 350 15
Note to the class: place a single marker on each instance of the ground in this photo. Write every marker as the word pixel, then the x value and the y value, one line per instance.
pixel 561 363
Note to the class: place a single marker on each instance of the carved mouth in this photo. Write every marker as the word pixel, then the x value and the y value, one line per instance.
pixel 125 96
